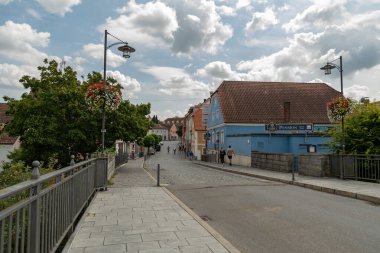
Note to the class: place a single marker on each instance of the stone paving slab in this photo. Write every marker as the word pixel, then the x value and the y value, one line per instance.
pixel 349 188
pixel 135 216
pixel 121 227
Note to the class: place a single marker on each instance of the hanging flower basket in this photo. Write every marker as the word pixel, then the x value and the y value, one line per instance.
pixel 339 108
pixel 97 93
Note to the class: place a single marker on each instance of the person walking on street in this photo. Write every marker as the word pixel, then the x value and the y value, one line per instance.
pixel 222 154
pixel 230 152
pixel 174 150
pixel 168 149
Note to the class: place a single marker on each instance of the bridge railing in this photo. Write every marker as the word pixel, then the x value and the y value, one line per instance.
pixel 37 214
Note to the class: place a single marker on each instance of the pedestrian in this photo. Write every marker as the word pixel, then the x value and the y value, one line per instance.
pixel 191 155
pixel 174 150
pixel 168 149
pixel 230 152
pixel 222 154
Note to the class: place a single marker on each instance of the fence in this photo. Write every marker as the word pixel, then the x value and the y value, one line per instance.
pixel 121 158
pixel 358 167
pixel 42 211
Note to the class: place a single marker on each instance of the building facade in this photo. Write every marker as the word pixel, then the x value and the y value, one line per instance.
pixel 269 117
pixel 160 130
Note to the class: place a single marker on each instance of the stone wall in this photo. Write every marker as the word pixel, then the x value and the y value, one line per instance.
pixel 314 164
pixel 272 161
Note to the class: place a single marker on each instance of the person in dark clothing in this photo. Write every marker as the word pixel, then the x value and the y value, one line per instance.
pixel 222 154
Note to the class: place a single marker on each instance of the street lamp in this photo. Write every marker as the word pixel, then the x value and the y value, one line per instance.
pixel 126 50
pixel 327 68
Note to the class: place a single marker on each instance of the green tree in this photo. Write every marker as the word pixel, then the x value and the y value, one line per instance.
pixel 155 119
pixel 179 130
pixel 149 141
pixel 362 131
pixel 157 138
pixel 54 120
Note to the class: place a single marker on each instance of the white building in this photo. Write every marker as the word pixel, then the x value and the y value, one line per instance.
pixel 160 130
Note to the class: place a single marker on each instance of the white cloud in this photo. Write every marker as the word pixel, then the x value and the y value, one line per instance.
pixel 216 69
pixel 261 21
pixel 243 4
pixel 186 27
pixel 151 24
pixel 176 81
pixel 206 34
pixel 33 13
pixel 168 113
pixel 184 86
pixel 162 73
pixel 320 15
pixel 19 41
pixel 5 2
pixel 59 7
pixel 96 51
pixel 10 74
pixel 357 92
pixel 130 85
pixel 226 10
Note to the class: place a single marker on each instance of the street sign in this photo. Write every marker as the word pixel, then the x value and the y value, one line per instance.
pixel 289 127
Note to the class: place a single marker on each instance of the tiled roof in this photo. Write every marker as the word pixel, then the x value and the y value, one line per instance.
pixel 5 139
pixel 159 126
pixel 3 117
pixel 264 102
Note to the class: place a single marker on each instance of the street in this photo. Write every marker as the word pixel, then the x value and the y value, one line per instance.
pixel 262 216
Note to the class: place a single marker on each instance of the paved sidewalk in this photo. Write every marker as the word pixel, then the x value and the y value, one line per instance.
pixel 349 188
pixel 135 216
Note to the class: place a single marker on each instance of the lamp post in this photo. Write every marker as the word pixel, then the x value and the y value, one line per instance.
pixel 327 68
pixel 126 50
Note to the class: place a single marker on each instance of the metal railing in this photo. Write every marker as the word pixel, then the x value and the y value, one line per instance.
pixel 121 158
pixel 42 211
pixel 357 167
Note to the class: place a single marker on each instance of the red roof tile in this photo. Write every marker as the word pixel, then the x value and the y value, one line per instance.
pixel 5 139
pixel 3 117
pixel 264 102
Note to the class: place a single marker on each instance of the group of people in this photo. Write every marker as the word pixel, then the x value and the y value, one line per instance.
pixel 222 153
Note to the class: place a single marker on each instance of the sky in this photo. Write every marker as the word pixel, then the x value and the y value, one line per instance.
pixel 186 48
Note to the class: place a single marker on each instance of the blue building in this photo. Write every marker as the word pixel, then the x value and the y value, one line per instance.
pixel 273 117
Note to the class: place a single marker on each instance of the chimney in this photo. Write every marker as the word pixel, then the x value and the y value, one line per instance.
pixel 286 111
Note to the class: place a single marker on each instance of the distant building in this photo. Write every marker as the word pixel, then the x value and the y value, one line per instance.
pixel 275 117
pixel 7 143
pixel 173 124
pixel 160 129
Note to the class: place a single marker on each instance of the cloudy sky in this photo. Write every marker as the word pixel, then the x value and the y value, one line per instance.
pixel 185 48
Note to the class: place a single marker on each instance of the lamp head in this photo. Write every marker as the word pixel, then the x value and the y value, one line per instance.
pixel 127 50
pixel 327 68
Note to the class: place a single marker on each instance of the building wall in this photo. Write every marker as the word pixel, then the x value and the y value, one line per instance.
pixel 162 132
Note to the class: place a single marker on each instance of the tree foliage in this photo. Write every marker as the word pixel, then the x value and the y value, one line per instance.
pixel 53 119
pixel 361 131
pixel 149 140
pixel 155 119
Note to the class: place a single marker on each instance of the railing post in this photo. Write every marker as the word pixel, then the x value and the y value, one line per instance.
pixel 34 214
pixel 72 162
pixel 158 175
pixel 87 156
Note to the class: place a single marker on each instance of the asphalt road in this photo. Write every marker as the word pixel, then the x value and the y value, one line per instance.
pixel 262 216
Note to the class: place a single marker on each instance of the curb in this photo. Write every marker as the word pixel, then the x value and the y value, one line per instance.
pixel 359 196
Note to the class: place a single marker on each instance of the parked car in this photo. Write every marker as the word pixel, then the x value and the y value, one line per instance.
pixel 151 151
pixel 158 148
pixel 161 143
